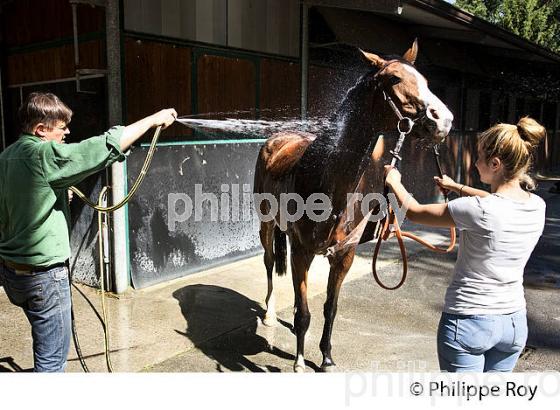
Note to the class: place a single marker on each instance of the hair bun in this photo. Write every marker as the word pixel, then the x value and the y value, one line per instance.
pixel 531 131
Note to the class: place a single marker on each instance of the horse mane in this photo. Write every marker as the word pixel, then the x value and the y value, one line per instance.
pixel 352 95
pixel 327 141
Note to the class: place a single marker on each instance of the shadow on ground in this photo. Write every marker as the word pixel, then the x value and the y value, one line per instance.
pixel 223 324
pixel 8 364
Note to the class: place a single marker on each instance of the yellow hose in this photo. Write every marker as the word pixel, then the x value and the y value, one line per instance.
pixel 105 210
pixel 134 188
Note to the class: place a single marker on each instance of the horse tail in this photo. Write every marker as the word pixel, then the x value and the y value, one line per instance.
pixel 280 251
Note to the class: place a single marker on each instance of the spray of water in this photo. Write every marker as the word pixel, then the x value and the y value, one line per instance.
pixel 260 128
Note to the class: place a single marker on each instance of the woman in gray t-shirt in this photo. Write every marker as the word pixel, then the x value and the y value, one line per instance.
pixel 483 326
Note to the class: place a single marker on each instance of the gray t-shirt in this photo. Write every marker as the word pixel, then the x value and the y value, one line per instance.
pixel 497 236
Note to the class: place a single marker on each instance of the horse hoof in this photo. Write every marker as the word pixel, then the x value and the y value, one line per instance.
pixel 298 368
pixel 328 368
pixel 270 320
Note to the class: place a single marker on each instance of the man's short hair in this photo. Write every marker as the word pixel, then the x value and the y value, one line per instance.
pixel 42 107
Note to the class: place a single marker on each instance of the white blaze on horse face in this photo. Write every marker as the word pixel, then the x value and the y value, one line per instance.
pixel 436 110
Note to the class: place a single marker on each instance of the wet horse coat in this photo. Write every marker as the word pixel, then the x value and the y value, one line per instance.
pixel 349 160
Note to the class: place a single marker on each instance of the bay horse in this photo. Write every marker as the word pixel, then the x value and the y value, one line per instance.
pixel 333 163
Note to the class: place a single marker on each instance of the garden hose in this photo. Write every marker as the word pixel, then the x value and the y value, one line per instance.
pixel 104 210
pixel 134 188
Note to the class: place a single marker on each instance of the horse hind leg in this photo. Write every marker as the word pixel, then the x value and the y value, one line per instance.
pixel 339 268
pixel 301 260
pixel 267 240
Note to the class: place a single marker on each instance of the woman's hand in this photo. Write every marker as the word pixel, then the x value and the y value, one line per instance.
pixel 446 184
pixel 392 175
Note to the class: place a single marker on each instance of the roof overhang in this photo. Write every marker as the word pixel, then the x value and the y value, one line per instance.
pixel 438 19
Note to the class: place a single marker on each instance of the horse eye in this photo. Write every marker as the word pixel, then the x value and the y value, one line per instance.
pixel 394 80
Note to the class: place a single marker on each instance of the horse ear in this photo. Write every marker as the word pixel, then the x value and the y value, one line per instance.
pixel 373 59
pixel 412 52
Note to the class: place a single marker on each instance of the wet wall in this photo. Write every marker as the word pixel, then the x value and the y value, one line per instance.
pixel 160 250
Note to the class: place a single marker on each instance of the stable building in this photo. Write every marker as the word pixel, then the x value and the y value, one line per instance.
pixel 114 62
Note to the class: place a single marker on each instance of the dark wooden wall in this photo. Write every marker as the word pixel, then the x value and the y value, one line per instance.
pixel 26 22
pixel 226 84
pixel 52 63
pixel 280 89
pixel 208 83
pixel 157 76
pixel 37 37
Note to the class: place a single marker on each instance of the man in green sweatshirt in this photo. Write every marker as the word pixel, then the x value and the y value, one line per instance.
pixel 35 174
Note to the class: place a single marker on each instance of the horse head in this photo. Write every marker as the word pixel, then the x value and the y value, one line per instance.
pixel 408 89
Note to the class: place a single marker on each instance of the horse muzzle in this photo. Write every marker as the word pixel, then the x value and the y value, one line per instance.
pixel 438 122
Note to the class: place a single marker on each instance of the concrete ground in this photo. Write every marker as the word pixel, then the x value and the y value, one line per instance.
pixel 211 321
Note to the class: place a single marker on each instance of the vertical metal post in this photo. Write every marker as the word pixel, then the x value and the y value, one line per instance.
pixel 462 115
pixel 76 44
pixel 118 175
pixel 2 128
pixel 304 56
pixel 556 137
pixel 546 158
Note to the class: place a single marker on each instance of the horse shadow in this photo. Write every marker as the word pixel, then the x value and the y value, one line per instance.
pixel 224 325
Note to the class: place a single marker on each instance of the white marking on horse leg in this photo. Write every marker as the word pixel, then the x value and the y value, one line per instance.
pixel 270 315
pixel 299 365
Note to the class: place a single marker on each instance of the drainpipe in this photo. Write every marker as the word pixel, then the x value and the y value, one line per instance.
pixel 118 174
pixel 304 53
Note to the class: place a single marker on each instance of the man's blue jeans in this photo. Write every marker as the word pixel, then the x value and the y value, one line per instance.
pixel 477 343
pixel 45 299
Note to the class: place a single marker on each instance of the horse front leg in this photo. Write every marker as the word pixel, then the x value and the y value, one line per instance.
pixel 339 268
pixel 301 260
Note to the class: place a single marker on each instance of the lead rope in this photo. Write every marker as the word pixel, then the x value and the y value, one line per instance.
pixel 101 211
pixel 391 220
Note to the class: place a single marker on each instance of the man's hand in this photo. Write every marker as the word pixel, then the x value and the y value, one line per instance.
pixel 165 118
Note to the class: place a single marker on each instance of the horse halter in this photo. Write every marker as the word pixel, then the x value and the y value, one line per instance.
pixel 405 124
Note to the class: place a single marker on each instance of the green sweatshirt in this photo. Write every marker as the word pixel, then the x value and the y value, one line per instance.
pixel 34 179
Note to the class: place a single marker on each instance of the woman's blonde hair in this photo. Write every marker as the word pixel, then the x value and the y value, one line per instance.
pixel 514 145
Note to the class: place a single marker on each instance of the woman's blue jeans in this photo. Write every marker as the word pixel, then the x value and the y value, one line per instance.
pixel 478 343
pixel 45 299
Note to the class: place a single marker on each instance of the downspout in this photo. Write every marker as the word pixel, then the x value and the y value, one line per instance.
pixel 304 53
pixel 118 175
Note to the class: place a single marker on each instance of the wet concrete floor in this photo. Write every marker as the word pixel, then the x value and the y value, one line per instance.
pixel 211 321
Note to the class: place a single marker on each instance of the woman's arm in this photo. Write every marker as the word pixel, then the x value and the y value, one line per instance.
pixel 431 214
pixel 447 184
